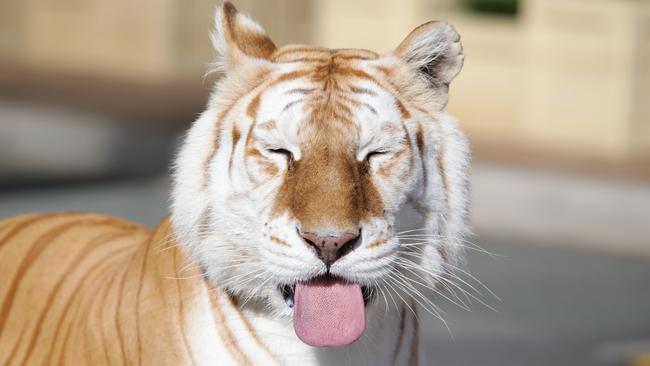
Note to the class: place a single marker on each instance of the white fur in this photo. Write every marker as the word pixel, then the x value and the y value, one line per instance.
pixel 233 246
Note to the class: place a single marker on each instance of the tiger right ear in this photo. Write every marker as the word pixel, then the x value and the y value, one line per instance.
pixel 237 37
pixel 434 50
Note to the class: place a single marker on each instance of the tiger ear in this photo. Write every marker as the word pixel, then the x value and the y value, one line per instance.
pixel 237 37
pixel 434 50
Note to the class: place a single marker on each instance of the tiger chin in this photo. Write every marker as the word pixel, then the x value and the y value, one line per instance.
pixel 318 204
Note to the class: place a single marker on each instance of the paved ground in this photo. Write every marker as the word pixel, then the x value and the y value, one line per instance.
pixel 559 306
pixel 561 303
pixel 604 213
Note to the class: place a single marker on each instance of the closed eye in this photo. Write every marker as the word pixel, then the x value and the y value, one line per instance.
pixel 374 154
pixel 284 152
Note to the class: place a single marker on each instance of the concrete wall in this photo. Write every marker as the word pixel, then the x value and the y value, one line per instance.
pixel 584 74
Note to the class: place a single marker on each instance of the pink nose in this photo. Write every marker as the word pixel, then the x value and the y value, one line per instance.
pixel 330 248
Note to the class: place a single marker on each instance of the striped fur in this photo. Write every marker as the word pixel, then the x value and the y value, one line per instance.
pixel 297 139
pixel 88 289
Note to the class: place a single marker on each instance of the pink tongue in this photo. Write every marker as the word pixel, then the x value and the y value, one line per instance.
pixel 328 313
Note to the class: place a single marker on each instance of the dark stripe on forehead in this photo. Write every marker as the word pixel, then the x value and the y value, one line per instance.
pixel 345 109
pixel 357 90
pixel 391 88
pixel 348 71
pixel 293 75
pixel 253 107
pixel 303 91
pixel 326 113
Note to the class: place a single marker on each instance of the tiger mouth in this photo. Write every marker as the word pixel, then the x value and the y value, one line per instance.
pixel 288 290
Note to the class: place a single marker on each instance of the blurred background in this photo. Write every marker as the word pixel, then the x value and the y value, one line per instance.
pixel 554 95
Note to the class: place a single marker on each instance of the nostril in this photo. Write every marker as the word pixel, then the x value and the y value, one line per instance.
pixel 330 248
pixel 348 246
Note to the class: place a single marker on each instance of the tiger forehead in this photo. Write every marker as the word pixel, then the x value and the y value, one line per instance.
pixel 332 83
pixel 329 70
pixel 336 90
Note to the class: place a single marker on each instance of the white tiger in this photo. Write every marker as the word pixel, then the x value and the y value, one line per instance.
pixel 289 188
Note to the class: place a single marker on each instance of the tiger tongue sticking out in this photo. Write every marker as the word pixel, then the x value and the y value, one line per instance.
pixel 329 312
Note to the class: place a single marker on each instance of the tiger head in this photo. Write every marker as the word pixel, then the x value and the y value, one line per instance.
pixel 290 190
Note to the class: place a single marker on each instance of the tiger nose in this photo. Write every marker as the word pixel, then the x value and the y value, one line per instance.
pixel 329 248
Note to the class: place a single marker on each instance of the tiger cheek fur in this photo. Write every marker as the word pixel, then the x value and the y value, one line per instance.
pixel 302 152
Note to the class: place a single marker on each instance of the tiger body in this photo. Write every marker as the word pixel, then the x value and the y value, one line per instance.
pixel 319 202
pixel 94 290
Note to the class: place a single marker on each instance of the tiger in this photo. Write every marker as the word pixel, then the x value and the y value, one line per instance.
pixel 290 239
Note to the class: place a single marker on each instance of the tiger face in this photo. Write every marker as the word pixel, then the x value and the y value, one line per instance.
pixel 291 187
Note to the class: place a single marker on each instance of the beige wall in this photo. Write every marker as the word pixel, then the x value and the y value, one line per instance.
pixel 640 131
pixel 582 75
pixel 117 37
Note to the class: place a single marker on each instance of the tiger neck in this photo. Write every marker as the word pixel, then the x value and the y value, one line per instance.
pixel 251 337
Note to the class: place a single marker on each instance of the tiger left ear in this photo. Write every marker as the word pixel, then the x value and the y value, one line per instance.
pixel 434 50
pixel 237 37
